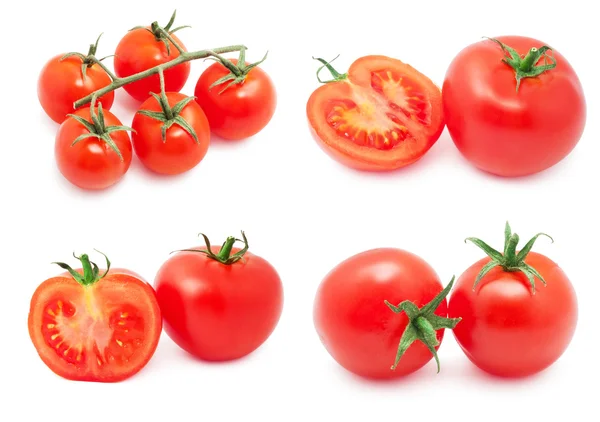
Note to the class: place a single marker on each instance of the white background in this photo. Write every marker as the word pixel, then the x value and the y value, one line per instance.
pixel 301 210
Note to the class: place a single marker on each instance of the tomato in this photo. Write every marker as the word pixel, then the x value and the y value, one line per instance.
pixel 238 107
pixel 144 48
pixel 509 127
pixel 91 325
pixel 221 305
pixel 358 313
pixel 187 134
pixel 93 155
pixel 62 81
pixel 509 327
pixel 380 116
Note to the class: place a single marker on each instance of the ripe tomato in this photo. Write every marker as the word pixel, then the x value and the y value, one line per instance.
pixel 221 305
pixel 144 48
pixel 510 328
pixel 508 127
pixel 89 325
pixel 381 115
pixel 187 134
pixel 102 152
pixel 240 109
pixel 367 337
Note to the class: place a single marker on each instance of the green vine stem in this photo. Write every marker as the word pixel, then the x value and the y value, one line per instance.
pixel 91 272
pixel 224 256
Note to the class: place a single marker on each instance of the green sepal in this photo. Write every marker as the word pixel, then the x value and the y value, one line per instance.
pixel 336 76
pixel 237 73
pixel 91 272
pixel 224 256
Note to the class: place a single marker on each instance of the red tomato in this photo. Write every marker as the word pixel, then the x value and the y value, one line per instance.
pixel 179 151
pixel 508 328
pixel 61 83
pixel 243 109
pixel 90 327
pixel 92 163
pixel 380 116
pixel 142 49
pixel 367 337
pixel 510 132
pixel 219 307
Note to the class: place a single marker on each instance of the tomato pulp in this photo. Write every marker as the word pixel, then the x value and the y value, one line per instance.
pixel 382 115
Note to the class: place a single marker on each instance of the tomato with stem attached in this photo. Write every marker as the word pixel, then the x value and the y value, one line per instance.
pixel 381 115
pixel 239 99
pixel 513 106
pixel 381 313
pixel 219 303
pixel 509 327
pixel 92 325
pixel 66 78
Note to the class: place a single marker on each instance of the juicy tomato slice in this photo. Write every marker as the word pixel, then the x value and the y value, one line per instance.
pixel 384 116
pixel 104 332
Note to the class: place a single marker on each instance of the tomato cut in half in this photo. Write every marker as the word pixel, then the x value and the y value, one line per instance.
pixel 99 327
pixel 380 116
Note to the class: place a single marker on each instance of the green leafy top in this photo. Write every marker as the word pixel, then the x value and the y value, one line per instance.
pixel 89 60
pixel 162 33
pixel 337 76
pixel 237 72
pixel 224 256
pixel 510 260
pixel 91 272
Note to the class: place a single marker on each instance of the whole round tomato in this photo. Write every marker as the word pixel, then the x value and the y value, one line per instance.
pixel 221 305
pixel 371 308
pixel 89 326
pixel 100 157
pixel 187 136
pixel 513 122
pixel 509 327
pixel 380 116
pixel 61 83
pixel 144 48
pixel 240 109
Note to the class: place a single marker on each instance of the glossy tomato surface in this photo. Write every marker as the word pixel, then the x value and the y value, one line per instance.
pixel 179 152
pixel 508 331
pixel 219 312
pixel 61 84
pixel 353 322
pixel 91 163
pixel 384 116
pixel 105 332
pixel 507 132
pixel 242 110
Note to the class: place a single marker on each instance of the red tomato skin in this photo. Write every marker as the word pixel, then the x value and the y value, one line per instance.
pixel 180 152
pixel 218 312
pixel 139 50
pixel 91 163
pixel 505 132
pixel 61 83
pixel 356 327
pixel 505 330
pixel 242 110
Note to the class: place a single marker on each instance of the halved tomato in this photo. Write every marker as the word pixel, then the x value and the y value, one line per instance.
pixel 93 326
pixel 382 115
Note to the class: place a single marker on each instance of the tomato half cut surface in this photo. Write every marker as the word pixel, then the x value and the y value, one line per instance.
pixel 382 115
pixel 105 331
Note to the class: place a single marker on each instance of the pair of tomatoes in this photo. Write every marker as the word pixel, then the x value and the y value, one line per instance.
pixel 382 313
pixel 217 303
pixel 502 100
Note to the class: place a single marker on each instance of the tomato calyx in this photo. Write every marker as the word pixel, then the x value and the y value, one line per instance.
pixel 423 324
pixel 162 34
pixel 337 76
pixel 90 59
pixel 526 67
pixel 237 73
pixel 98 129
pixel 224 256
pixel 91 272
pixel 510 260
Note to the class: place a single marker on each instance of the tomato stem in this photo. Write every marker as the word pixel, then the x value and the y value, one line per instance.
pixel 337 76
pixel 224 256
pixel 237 73
pixel 91 272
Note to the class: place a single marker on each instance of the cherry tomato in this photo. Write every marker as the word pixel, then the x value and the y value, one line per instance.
pixel 380 116
pixel 92 163
pixel 179 151
pixel 88 326
pixel 358 313
pixel 510 327
pixel 239 110
pixel 219 306
pixel 510 128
